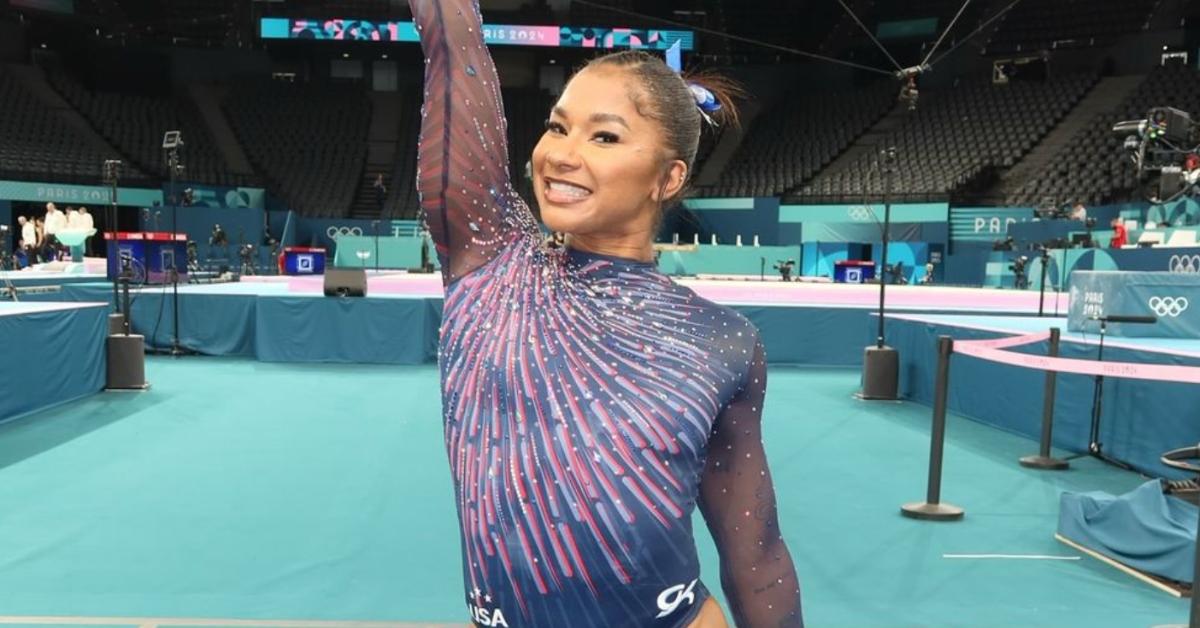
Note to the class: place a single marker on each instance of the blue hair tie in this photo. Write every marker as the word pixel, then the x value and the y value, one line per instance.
pixel 705 99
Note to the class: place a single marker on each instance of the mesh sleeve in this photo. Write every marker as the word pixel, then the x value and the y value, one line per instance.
pixel 462 158
pixel 737 499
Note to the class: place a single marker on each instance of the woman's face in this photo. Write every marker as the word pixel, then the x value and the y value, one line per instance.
pixel 601 168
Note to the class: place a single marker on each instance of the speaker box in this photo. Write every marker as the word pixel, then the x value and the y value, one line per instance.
pixel 345 282
pixel 126 362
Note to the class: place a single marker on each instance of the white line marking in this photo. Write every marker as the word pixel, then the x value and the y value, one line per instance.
pixel 1011 556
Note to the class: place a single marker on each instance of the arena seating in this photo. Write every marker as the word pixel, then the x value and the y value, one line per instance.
pixel 1092 168
pixel 527 111
pixel 309 142
pixel 38 145
pixel 135 124
pixel 956 135
pixel 402 199
pixel 782 22
pixel 1033 26
pixel 804 132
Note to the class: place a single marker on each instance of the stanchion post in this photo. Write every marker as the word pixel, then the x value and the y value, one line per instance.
pixel 1043 460
pixel 932 509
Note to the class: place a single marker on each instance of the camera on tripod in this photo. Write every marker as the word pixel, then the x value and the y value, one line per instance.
pixel 785 268
pixel 218 237
pixel 1019 268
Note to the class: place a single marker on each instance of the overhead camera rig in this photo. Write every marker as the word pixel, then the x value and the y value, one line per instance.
pixel 1165 150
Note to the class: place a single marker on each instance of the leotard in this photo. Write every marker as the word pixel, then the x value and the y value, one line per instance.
pixel 590 402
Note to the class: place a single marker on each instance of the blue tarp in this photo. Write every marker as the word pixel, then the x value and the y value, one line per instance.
pixel 1143 529
pixel 55 355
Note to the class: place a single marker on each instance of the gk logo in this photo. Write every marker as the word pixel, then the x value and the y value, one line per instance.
pixel 304 263
pixel 670 599
pixel 853 275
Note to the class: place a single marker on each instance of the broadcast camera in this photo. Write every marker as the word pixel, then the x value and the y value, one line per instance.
pixel 785 269
pixel 1165 149
pixel 1020 274
pixel 246 254
pixel 218 237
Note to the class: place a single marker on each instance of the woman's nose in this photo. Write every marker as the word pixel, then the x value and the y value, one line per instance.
pixel 563 155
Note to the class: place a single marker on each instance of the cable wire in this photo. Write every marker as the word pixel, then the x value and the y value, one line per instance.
pixel 708 31
pixel 975 32
pixel 869 34
pixel 945 32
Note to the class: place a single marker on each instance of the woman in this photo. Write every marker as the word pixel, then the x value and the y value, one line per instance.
pixel 590 403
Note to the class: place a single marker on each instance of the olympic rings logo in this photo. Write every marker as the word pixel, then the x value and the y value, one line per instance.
pixel 1168 306
pixel 859 214
pixel 336 232
pixel 1185 264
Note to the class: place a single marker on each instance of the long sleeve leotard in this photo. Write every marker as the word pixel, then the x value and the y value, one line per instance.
pixel 590 402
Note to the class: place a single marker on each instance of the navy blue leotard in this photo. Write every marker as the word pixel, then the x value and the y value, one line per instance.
pixel 590 402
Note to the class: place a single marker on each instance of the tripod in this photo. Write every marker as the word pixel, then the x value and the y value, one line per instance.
pixel 172 140
pixel 111 175
pixel 1042 295
pixel 1095 447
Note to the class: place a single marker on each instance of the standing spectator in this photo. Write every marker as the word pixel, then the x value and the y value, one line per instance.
pixel 55 221
pixel 39 241
pixel 28 237
pixel 1079 212
pixel 86 223
pixel 1120 235
pixel 380 192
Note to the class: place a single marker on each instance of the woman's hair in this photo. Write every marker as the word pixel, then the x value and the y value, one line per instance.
pixel 666 98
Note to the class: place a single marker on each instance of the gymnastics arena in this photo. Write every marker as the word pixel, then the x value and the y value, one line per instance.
pixel 967 233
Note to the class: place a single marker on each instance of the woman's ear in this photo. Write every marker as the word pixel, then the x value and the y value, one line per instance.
pixel 672 182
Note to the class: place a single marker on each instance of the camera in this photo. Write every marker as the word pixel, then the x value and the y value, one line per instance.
pixel 1020 275
pixel 218 237
pixel 785 269
pixel 1162 147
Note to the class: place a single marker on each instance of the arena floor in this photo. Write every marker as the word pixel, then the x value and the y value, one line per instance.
pixel 240 493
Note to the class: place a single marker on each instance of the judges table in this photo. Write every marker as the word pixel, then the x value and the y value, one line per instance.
pixel 393 251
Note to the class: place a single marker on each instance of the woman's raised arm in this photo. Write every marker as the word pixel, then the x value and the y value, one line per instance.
pixel 462 159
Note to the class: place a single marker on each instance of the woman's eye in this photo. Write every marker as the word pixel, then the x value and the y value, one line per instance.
pixel 606 138
pixel 554 127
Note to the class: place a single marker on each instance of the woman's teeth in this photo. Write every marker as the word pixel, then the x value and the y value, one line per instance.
pixel 568 190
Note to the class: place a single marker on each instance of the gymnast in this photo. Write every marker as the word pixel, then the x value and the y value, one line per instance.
pixel 590 402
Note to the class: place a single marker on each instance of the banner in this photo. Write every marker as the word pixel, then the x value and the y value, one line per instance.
pixel 868 214
pixel 221 197
pixel 78 194
pixel 984 224
pixel 558 36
